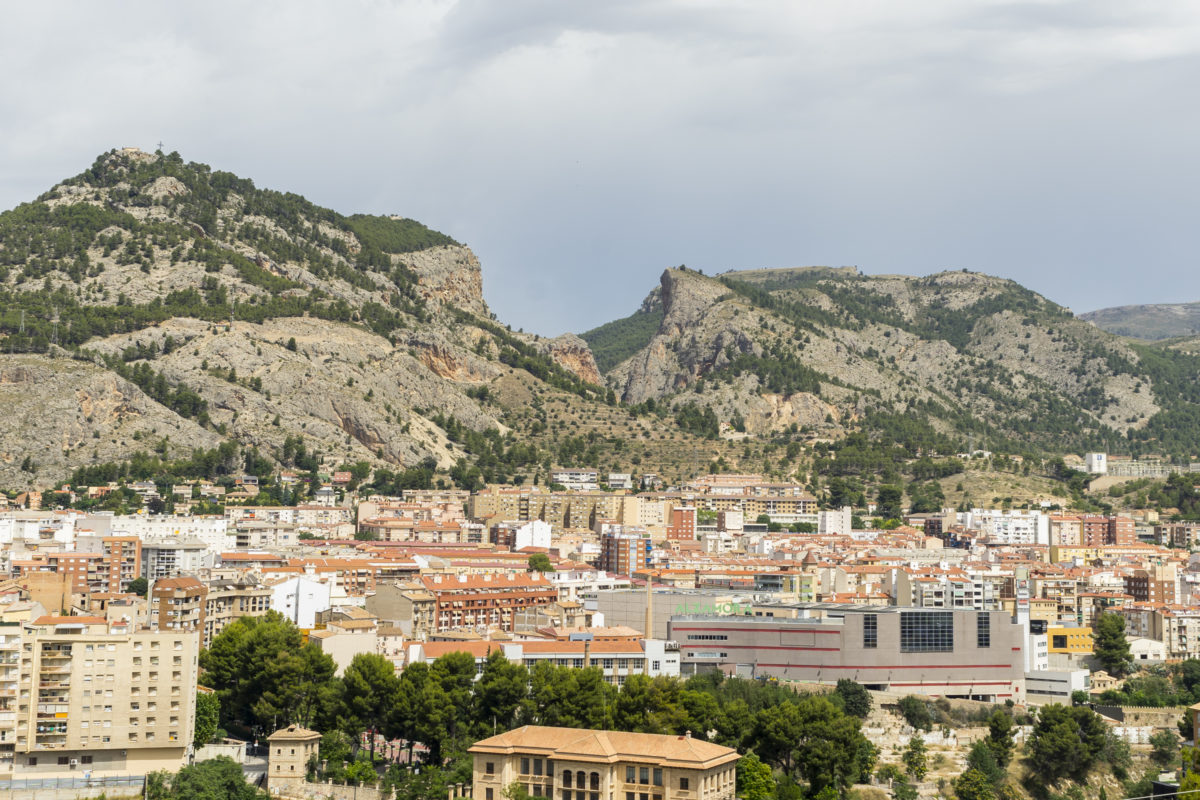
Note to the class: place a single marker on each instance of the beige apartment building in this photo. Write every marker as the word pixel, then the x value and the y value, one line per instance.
pixel 571 764
pixel 93 700
pixel 230 600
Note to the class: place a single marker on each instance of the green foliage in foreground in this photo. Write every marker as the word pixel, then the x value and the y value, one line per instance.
pixel 217 779
pixel 264 677
pixel 1069 742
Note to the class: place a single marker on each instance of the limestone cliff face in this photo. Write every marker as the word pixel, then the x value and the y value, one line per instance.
pixel 349 392
pixel 937 346
pixel 573 354
pixel 695 337
pixel 60 413
pixel 449 275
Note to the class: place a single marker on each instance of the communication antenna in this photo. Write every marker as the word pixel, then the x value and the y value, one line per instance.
pixel 22 331
pixel 54 319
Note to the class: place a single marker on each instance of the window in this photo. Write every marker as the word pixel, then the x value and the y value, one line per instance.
pixel 487 794
pixel 490 768
pixel 524 766
pixel 643 775
pixel 870 631
pixel 926 631
pixel 63 760
pixel 537 766
pixel 85 759
pixel 683 784
pixel 33 761
pixel 630 774
pixel 658 777
pixel 595 781
pixel 983 630
pixel 1059 642
pixel 567 778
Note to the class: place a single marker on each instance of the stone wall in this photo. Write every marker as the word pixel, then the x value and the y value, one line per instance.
pixel 1144 716
pixel 325 791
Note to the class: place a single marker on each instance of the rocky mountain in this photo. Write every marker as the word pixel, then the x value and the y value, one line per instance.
pixel 1152 322
pixel 154 305
pixel 966 357
pixel 159 318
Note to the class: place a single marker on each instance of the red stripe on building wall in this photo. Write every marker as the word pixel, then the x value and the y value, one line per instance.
pixel 723 646
pixel 757 629
pixel 892 666
pixel 955 683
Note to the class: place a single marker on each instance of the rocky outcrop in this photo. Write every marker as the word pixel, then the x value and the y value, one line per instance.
pixel 883 341
pixel 349 393
pixel 447 360
pixel 449 275
pixel 61 414
pixel 573 354
pixel 696 336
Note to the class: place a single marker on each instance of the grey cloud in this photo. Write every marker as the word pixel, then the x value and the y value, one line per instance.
pixel 582 147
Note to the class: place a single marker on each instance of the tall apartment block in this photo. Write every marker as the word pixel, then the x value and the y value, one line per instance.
pixel 624 553
pixel 79 699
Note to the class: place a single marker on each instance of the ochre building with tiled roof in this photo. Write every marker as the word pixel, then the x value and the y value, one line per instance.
pixel 573 764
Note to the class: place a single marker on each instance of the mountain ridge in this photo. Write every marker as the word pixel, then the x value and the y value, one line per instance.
pixel 1149 321
pixel 977 356
pixel 162 312
pixel 202 310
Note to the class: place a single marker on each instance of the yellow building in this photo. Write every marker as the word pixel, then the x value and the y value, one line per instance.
pixel 1061 639
pixel 571 764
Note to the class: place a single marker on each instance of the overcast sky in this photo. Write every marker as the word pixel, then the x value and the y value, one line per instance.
pixel 579 147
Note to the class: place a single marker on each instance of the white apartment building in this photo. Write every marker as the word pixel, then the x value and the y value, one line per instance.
pixel 956 590
pixel 212 531
pixel 620 480
pixel 579 480
pixel 300 599
pixel 534 533
pixel 835 522
pixel 167 558
pixel 1008 527
pixel 577 584
pixel 39 526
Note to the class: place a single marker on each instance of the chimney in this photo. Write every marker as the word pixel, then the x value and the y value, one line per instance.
pixel 587 653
